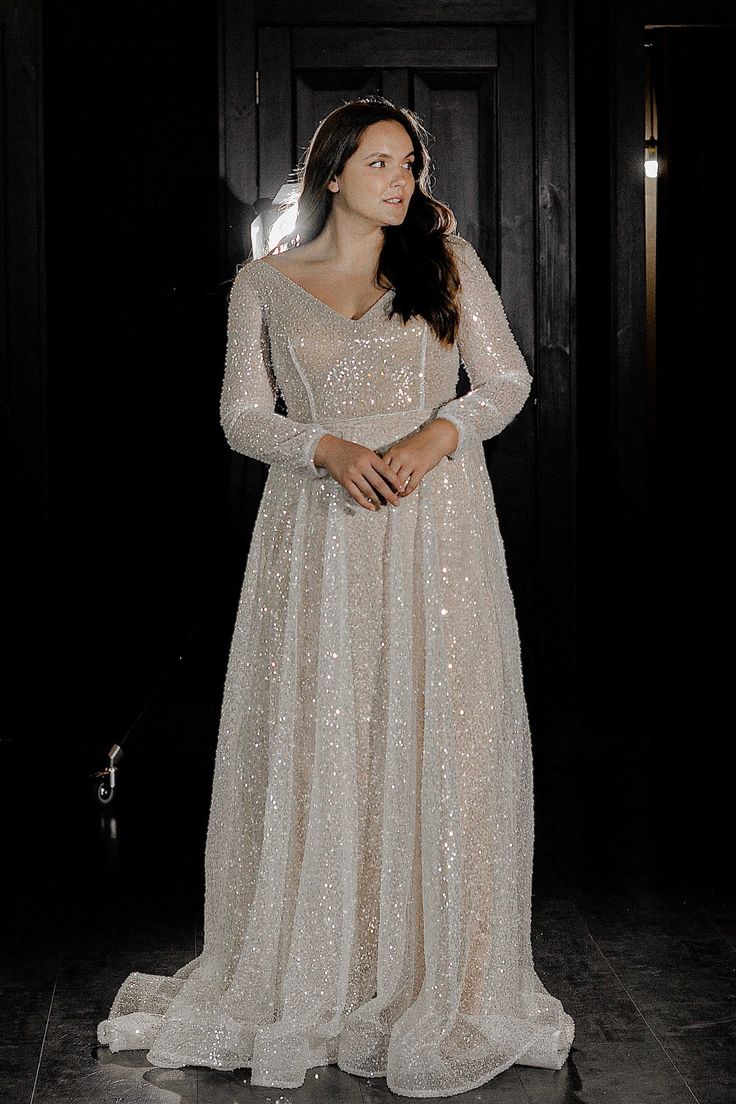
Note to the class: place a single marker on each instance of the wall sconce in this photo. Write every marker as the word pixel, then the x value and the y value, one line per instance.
pixel 650 157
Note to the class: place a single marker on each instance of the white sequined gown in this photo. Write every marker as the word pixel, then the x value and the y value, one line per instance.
pixel 369 851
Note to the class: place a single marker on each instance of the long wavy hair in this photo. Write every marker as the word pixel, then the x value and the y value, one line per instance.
pixel 416 257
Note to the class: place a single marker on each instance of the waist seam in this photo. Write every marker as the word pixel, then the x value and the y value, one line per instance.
pixel 375 417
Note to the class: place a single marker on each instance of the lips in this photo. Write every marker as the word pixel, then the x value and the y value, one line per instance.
pixel 395 201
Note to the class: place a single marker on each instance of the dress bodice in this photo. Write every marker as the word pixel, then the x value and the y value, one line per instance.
pixel 326 364
pixel 331 369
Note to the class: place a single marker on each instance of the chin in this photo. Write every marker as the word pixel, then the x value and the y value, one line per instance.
pixel 398 216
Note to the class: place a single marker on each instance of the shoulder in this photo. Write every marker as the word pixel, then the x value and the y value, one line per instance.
pixel 471 267
pixel 247 284
pixel 463 251
pixel 247 273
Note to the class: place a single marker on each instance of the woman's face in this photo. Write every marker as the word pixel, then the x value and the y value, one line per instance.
pixel 379 170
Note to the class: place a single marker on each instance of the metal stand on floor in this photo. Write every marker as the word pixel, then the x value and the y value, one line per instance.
pixel 105 787
pixel 105 780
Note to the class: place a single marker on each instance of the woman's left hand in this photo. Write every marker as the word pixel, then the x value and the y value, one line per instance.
pixel 418 454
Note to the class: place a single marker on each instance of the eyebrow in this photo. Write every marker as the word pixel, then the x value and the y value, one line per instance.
pixel 380 154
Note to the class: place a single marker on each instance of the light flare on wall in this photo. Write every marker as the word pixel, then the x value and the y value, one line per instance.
pixel 651 161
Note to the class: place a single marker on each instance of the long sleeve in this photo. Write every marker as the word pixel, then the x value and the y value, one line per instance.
pixel 499 379
pixel 247 415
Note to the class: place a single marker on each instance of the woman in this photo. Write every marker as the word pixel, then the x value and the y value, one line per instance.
pixel 369 851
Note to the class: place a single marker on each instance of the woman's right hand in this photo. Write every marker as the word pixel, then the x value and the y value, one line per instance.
pixel 363 473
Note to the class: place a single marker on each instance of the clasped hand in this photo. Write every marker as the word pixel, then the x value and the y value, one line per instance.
pixel 373 480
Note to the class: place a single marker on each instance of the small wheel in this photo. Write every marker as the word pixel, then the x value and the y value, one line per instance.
pixel 104 792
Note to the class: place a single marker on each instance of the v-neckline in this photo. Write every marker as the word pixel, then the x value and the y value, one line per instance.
pixel 316 299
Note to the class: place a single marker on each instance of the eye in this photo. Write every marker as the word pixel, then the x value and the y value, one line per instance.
pixel 380 161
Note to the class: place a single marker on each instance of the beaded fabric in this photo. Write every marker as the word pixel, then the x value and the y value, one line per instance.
pixel 368 866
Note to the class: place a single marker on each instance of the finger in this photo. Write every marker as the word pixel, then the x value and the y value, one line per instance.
pixel 363 494
pixel 412 485
pixel 401 474
pixel 390 474
pixel 404 478
pixel 382 487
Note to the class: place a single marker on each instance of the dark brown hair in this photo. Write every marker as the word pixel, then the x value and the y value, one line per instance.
pixel 416 256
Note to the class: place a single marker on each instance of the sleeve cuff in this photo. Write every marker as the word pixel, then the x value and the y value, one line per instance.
pixel 312 442
pixel 462 438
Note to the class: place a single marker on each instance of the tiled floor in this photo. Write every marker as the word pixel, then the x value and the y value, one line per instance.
pixel 646 970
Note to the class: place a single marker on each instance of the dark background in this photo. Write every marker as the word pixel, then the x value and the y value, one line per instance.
pixel 126 172
pixel 125 558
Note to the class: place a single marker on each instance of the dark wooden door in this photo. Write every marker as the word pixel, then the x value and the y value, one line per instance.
pixel 473 82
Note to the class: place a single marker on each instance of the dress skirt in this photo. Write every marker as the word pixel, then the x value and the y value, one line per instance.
pixel 369 851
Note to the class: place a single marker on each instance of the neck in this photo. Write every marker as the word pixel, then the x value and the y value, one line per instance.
pixel 350 243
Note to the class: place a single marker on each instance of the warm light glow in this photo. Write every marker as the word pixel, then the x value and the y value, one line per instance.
pixel 262 240
pixel 650 158
pixel 283 225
